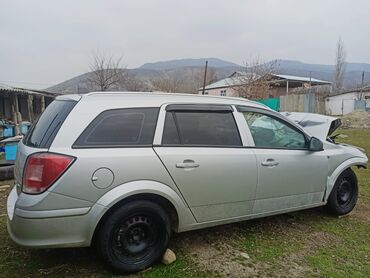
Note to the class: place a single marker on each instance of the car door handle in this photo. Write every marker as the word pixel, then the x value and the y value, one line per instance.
pixel 270 162
pixel 187 164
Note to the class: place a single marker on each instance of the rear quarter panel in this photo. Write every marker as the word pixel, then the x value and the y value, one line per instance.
pixel 127 164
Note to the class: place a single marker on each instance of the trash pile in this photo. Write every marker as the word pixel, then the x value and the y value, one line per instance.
pixel 356 119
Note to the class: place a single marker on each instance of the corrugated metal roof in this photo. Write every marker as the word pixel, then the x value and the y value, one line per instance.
pixel 301 78
pixel 226 82
pixel 364 89
pixel 235 80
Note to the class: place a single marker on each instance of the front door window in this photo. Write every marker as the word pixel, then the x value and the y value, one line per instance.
pixel 270 132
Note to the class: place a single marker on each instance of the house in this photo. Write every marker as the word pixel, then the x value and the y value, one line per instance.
pixel 281 84
pixel 348 101
pixel 18 105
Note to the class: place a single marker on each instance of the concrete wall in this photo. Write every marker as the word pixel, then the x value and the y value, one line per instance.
pixel 342 104
pixel 230 92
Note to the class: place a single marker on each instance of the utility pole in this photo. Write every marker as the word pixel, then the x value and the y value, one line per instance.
pixel 362 84
pixel 310 77
pixel 205 78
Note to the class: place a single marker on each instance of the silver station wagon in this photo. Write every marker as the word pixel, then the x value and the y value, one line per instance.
pixel 125 170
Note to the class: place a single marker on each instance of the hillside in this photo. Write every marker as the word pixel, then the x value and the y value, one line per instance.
pixel 180 63
pixel 188 74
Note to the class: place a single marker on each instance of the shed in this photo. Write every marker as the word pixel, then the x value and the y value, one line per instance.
pixel 281 84
pixel 20 104
pixel 343 103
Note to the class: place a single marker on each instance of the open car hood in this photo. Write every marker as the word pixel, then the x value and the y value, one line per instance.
pixel 319 126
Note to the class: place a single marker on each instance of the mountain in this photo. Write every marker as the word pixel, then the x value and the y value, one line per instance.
pixel 180 63
pixel 189 70
pixel 188 74
pixel 352 77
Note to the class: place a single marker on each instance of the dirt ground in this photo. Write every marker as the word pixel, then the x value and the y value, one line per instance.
pixel 5 187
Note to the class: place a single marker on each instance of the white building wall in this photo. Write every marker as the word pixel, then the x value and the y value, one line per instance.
pixel 342 104
pixel 225 91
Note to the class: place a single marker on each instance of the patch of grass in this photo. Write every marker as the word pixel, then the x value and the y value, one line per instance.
pixel 181 268
pixel 351 256
pixel 267 246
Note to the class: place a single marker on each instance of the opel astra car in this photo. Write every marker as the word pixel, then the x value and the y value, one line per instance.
pixel 123 171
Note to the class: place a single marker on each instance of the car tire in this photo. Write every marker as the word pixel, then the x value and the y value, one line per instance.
pixel 6 172
pixel 343 197
pixel 134 236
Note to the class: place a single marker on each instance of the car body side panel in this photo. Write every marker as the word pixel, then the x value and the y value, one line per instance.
pixel 298 172
pixel 299 179
pixel 49 201
pixel 355 161
pixel 223 185
pixel 341 157
pixel 123 191
pixel 247 217
pixel 126 164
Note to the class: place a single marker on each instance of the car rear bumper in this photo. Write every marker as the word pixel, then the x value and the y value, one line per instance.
pixel 51 228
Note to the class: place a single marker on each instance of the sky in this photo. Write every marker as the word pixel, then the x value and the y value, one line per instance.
pixel 43 43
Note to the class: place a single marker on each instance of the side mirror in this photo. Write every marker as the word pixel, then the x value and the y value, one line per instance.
pixel 315 145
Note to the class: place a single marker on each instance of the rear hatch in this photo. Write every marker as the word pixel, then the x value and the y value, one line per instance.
pixel 42 133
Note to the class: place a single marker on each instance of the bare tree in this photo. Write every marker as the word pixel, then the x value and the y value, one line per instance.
pixel 254 81
pixel 340 66
pixel 187 80
pixel 195 80
pixel 170 83
pixel 134 84
pixel 107 72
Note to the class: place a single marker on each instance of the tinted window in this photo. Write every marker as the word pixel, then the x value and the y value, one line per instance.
pixel 201 128
pixel 43 132
pixel 270 132
pixel 120 127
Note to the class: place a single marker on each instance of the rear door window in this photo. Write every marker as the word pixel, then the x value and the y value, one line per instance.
pixel 120 127
pixel 44 130
pixel 200 128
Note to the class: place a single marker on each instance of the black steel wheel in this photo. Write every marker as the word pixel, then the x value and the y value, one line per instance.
pixel 344 192
pixel 343 197
pixel 135 236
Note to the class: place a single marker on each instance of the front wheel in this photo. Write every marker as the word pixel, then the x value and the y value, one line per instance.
pixel 134 236
pixel 344 195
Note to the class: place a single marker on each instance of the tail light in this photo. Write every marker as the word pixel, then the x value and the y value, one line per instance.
pixel 42 170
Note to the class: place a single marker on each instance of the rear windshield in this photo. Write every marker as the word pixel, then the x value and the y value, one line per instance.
pixel 43 131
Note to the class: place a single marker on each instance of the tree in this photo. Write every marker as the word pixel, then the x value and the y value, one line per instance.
pixel 167 82
pixel 340 66
pixel 254 81
pixel 107 72
pixel 134 84
pixel 196 78
pixel 184 80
